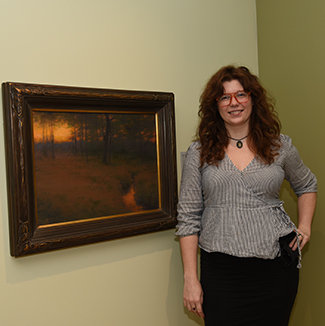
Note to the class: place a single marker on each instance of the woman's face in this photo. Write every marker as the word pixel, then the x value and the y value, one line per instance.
pixel 235 114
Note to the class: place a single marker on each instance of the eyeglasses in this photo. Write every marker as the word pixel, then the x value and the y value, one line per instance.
pixel 240 96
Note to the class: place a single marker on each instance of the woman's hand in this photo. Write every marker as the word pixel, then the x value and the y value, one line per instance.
pixel 304 237
pixel 193 296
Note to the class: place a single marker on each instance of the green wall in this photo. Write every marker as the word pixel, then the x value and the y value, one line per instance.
pixel 291 50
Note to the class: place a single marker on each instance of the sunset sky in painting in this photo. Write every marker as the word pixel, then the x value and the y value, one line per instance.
pixel 62 133
pixel 67 126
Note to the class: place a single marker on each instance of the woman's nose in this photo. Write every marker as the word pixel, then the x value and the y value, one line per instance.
pixel 233 100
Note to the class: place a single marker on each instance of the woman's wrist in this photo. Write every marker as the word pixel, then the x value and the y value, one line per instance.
pixel 190 276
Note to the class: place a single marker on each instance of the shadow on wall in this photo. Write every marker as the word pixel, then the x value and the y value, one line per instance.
pixel 63 261
pixel 315 299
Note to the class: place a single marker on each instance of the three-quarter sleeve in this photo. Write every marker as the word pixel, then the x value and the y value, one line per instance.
pixel 190 204
pixel 301 179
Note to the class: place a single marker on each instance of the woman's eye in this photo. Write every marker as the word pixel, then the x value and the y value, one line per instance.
pixel 224 97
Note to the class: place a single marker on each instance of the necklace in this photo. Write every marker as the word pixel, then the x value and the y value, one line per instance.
pixel 239 143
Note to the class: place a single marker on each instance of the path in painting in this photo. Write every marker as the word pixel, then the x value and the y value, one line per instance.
pixel 130 202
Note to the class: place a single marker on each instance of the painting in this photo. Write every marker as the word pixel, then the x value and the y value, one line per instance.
pixel 94 164
pixel 86 165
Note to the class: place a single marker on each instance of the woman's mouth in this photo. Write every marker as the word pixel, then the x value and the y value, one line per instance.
pixel 235 112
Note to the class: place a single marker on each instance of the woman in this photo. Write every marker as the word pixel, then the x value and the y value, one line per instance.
pixel 229 205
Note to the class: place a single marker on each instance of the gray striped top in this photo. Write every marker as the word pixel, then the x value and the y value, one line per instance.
pixel 239 212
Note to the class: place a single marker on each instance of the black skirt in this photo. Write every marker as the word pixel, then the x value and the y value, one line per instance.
pixel 247 291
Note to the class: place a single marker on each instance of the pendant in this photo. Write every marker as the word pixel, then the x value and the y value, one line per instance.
pixel 239 144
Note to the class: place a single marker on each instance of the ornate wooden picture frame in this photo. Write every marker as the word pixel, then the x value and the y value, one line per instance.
pixel 86 165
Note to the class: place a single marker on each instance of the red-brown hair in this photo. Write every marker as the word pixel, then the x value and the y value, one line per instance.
pixel 264 123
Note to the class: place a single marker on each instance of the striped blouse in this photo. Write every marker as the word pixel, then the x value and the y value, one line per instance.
pixel 239 212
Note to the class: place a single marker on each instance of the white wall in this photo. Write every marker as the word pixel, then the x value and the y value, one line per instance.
pixel 172 46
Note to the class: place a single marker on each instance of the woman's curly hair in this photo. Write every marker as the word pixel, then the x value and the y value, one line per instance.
pixel 264 123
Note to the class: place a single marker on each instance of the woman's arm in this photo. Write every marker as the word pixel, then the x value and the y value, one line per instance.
pixel 193 294
pixel 306 209
pixel 190 208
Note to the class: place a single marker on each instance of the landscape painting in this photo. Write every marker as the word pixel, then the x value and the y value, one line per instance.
pixel 90 165
pixel 86 165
